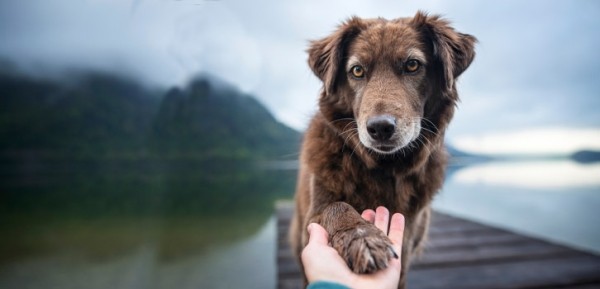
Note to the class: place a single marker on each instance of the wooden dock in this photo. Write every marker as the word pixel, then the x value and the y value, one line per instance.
pixel 463 254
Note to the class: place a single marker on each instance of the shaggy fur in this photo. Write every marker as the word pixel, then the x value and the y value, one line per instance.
pixel 344 169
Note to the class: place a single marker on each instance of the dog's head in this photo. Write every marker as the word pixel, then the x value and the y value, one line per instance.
pixel 387 81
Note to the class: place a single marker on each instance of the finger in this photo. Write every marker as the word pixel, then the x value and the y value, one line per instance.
pixel 382 219
pixel 397 232
pixel 369 215
pixel 317 234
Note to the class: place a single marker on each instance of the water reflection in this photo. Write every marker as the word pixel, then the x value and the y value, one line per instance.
pixel 243 264
pixel 199 225
pixel 550 175
pixel 149 224
pixel 557 200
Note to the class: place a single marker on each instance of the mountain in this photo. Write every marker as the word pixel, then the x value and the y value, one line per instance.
pixel 456 153
pixel 219 121
pixel 98 115
pixel 586 156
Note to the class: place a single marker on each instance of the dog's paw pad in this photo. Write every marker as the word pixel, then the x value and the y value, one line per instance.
pixel 365 249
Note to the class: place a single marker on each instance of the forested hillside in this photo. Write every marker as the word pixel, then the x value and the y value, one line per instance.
pixel 104 116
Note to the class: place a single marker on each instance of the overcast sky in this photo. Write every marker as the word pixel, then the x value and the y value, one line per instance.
pixel 537 65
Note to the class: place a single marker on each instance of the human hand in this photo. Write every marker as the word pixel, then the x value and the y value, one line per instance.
pixel 323 263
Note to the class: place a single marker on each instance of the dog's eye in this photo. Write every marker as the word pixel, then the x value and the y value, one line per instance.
pixel 412 65
pixel 357 71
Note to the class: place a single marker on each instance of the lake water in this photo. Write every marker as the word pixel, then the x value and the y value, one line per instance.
pixel 162 226
pixel 555 200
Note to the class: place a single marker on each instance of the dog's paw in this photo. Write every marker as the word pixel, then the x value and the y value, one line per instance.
pixel 365 248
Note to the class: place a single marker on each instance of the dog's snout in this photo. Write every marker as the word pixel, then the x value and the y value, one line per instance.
pixel 381 127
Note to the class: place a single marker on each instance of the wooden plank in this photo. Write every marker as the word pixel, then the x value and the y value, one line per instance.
pixel 293 283
pixel 582 286
pixel 287 269
pixel 523 274
pixel 440 218
pixel 457 228
pixel 465 254
pixel 495 253
pixel 491 237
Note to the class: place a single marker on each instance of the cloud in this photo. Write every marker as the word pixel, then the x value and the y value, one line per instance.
pixel 546 175
pixel 536 67
pixel 533 68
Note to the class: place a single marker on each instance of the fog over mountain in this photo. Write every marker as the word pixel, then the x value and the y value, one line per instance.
pixel 536 65
pixel 104 116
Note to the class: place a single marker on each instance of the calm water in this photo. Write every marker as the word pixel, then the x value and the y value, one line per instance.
pixel 555 200
pixel 138 224
pixel 156 225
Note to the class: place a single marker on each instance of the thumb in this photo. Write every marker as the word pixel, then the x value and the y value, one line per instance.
pixel 317 234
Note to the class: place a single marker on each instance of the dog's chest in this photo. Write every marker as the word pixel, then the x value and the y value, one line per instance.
pixel 374 188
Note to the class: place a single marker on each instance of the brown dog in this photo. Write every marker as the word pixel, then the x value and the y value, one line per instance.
pixel 378 140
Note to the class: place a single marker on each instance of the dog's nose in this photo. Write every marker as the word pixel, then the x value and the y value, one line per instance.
pixel 381 127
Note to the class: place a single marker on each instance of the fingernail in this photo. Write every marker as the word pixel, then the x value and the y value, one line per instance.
pixel 309 228
pixel 394 252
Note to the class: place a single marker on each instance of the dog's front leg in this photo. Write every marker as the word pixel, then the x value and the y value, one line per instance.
pixel 364 247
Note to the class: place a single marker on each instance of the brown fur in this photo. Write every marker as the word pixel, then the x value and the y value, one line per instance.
pixel 340 175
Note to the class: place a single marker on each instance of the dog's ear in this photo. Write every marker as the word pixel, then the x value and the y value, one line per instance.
pixel 326 56
pixel 453 52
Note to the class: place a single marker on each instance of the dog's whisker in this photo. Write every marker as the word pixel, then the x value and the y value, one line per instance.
pixel 343 119
pixel 344 130
pixel 424 145
pixel 346 139
pixel 413 146
pixel 351 134
pixel 435 128
pixel 347 135
pixel 428 130
pixel 348 131
pixel 356 145
pixel 350 124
